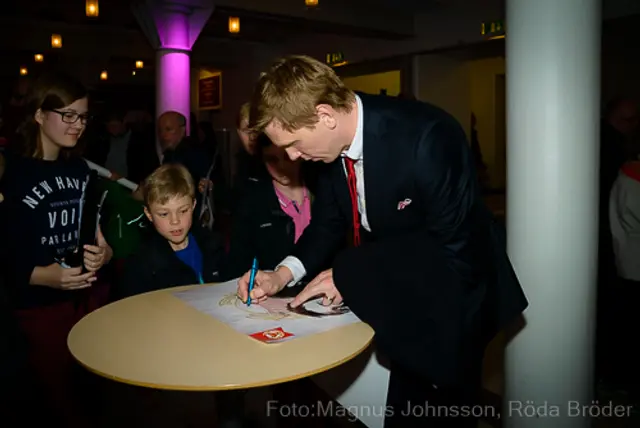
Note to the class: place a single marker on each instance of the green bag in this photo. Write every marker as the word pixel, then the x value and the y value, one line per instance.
pixel 125 221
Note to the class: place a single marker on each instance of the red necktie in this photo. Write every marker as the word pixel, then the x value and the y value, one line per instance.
pixel 353 191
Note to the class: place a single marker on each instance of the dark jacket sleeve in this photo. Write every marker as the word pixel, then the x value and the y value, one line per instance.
pixel 23 249
pixel 213 253
pixel 326 231
pixel 242 246
pixel 424 269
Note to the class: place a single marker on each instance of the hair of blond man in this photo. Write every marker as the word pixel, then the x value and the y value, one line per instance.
pixel 243 115
pixel 289 92
pixel 167 182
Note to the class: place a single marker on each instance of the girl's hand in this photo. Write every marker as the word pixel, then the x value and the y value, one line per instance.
pixel 96 256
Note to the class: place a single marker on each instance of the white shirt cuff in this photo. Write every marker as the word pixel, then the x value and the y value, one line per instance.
pixel 296 267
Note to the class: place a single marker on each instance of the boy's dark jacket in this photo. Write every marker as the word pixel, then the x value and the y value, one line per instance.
pixel 155 266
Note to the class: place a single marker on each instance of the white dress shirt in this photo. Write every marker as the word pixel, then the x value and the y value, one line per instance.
pixel 354 152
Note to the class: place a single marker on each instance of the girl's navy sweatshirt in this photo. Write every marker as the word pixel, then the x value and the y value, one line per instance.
pixel 40 222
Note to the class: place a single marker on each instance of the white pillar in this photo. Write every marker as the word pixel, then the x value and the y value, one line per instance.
pixel 553 98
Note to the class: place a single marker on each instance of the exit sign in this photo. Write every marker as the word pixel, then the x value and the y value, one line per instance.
pixel 492 28
pixel 335 58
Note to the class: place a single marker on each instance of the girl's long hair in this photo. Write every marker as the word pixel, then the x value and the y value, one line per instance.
pixel 51 91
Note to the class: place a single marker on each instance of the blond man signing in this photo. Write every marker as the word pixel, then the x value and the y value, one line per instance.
pixel 428 268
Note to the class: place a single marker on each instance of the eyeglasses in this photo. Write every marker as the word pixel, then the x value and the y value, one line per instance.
pixel 72 116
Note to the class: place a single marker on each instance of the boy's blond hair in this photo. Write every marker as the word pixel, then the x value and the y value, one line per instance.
pixel 243 115
pixel 290 91
pixel 167 182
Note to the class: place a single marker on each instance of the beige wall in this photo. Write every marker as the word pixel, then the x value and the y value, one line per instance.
pixel 373 83
pixel 483 75
pixel 463 87
pixel 445 82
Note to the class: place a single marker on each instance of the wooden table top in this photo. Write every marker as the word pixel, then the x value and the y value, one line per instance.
pixel 156 340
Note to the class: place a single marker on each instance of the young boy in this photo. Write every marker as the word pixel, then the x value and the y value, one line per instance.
pixel 175 253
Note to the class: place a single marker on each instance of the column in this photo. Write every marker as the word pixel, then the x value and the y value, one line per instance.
pixel 553 98
pixel 172 27
pixel 173 82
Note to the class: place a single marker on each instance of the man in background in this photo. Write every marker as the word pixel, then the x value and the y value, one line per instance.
pixel 120 149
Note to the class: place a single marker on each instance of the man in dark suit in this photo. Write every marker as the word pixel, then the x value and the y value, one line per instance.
pixel 428 269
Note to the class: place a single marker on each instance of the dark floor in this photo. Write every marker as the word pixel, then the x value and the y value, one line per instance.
pixel 122 406
pixel 604 396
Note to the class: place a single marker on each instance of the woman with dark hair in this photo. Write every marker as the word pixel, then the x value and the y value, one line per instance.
pixel 43 187
pixel 271 213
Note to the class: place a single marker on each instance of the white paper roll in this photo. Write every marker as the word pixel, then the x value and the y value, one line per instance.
pixel 104 172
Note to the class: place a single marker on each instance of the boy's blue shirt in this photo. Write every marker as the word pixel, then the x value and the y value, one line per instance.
pixel 192 256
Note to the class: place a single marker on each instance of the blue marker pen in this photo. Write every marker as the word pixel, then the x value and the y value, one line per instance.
pixel 252 279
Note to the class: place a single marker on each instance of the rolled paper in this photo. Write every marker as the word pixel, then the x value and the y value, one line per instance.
pixel 104 172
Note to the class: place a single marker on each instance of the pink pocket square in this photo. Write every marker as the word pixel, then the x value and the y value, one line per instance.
pixel 403 204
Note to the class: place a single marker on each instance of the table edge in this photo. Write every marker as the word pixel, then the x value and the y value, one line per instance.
pixel 229 388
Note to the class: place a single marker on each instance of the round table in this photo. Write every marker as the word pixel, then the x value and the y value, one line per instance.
pixel 157 341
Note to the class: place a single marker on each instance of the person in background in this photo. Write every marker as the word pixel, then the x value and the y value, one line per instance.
pixel 206 138
pixel 14 110
pixel 624 220
pixel 43 187
pixel 121 150
pixel 176 147
pixel 248 165
pixel 619 123
pixel 271 213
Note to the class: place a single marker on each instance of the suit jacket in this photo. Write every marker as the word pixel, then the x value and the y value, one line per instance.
pixel 433 278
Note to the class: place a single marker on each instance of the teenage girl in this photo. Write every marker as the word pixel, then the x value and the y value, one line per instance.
pixel 43 186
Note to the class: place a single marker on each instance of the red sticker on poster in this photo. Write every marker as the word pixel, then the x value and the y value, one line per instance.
pixel 273 335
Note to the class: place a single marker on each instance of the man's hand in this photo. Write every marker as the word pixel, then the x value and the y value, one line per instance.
pixel 266 284
pixel 322 285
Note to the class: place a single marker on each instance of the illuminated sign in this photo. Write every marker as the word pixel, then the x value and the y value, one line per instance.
pixel 493 29
pixel 335 59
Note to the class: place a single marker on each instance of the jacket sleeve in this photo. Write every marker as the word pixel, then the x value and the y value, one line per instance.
pixel 135 278
pixel 22 247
